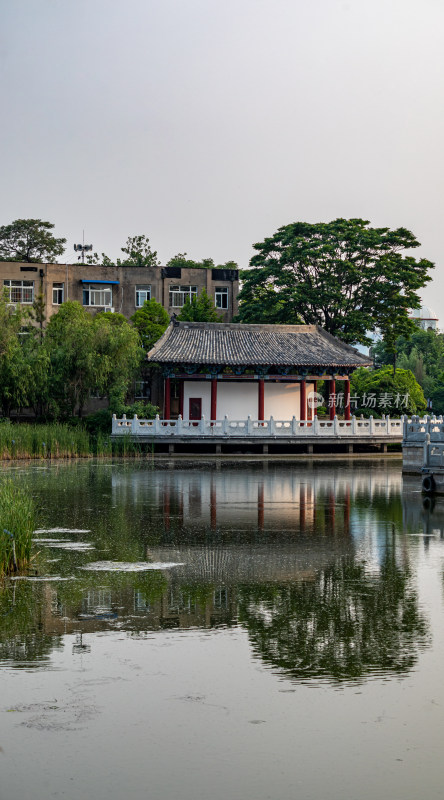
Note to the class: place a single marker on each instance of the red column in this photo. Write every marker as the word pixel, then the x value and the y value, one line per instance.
pixel 181 390
pixel 315 389
pixel 167 400
pixel 261 404
pixel 303 400
pixel 347 399
pixel 213 399
pixel 331 402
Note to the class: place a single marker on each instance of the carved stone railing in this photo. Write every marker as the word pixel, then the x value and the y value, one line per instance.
pixel 433 454
pixel 416 429
pixel 252 428
pixel 419 437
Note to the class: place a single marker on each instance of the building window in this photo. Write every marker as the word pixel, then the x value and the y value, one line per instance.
pixel 19 291
pixel 221 297
pixel 97 295
pixel 143 293
pixel 58 290
pixel 180 294
pixel 142 390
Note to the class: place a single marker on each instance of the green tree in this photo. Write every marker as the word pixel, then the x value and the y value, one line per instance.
pixel 86 354
pixel 39 311
pixel 399 393
pixel 343 275
pixel 423 354
pixel 15 376
pixel 30 240
pixel 150 321
pixel 75 369
pixel 199 309
pixel 181 260
pixel 118 345
pixel 137 253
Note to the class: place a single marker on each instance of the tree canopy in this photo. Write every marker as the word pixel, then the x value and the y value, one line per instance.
pixel 199 309
pixel 380 392
pixel 150 321
pixel 182 260
pixel 137 253
pixel 30 240
pixel 343 275
pixel 423 354
pixel 89 353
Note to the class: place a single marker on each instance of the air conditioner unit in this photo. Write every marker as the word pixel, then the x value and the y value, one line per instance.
pixel 109 310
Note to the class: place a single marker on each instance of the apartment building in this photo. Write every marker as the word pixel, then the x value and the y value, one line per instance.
pixel 118 289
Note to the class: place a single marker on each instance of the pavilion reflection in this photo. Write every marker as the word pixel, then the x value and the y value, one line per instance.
pixel 304 499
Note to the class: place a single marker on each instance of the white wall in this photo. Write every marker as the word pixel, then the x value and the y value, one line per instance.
pixel 240 400
pixel 237 400
pixel 281 400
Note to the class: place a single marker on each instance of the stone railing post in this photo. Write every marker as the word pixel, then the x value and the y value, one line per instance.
pixel 249 426
pixel 179 424
pixel 202 424
pixel 426 450
pixel 157 425
pixel 114 426
pixel 272 428
pixel 225 427
pixel 335 425
pixel 354 424
pixel 293 426
pixel 387 424
pixel 315 425
pixel 371 429
pixel 134 425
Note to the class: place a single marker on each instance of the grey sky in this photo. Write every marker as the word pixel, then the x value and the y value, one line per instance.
pixel 206 125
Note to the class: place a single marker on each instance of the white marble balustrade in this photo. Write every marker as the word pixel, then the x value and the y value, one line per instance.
pixel 252 428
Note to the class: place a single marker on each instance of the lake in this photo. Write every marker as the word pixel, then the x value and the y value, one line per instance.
pixel 259 631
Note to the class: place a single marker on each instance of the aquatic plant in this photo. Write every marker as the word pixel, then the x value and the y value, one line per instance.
pixel 42 441
pixel 58 440
pixel 16 527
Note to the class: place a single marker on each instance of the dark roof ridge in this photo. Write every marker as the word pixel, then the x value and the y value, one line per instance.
pixel 247 326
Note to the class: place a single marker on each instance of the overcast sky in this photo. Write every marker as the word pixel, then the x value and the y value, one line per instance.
pixel 207 124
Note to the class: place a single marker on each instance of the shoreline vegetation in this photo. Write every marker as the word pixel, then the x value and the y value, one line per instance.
pixel 17 517
pixel 24 440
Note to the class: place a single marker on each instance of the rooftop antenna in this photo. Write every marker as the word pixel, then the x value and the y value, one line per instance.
pixel 82 248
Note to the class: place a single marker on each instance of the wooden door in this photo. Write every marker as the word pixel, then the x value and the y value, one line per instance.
pixel 195 411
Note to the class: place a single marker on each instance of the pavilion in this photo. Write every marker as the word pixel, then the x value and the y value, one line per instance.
pixel 258 371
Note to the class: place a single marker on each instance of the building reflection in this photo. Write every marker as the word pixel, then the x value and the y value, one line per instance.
pixel 281 552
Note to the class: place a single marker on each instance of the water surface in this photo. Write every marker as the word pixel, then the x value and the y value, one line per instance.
pixel 264 631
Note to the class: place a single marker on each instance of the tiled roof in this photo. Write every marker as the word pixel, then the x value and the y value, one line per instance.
pixel 253 345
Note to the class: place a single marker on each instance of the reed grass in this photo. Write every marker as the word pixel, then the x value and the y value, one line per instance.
pixel 16 527
pixel 58 440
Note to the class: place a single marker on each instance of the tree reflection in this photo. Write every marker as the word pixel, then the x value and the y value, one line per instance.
pixel 344 624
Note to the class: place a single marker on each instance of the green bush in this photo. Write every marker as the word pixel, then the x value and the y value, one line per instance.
pixel 394 394
pixel 100 421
